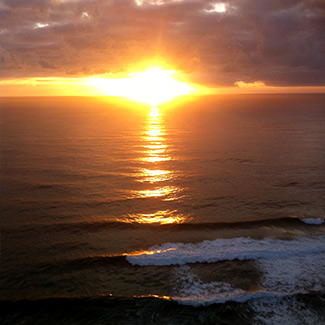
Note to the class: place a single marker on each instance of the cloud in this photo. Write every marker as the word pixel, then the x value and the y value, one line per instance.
pixel 218 43
pixel 255 84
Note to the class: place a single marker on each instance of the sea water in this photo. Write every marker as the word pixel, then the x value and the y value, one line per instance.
pixel 206 210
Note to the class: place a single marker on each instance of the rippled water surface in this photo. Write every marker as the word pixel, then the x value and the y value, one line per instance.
pixel 173 214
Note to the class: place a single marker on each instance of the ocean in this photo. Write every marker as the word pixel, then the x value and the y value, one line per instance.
pixel 206 210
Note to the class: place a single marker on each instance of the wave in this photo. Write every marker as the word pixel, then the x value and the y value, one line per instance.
pixel 200 274
pixel 129 223
pixel 227 249
pixel 297 309
pixel 288 267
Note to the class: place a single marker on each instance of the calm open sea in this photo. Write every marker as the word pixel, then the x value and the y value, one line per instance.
pixel 208 211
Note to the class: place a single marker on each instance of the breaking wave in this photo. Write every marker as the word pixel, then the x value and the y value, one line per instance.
pixel 288 267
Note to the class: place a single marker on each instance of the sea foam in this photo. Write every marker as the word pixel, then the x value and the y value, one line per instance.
pixel 313 221
pixel 190 290
pixel 288 267
pixel 227 249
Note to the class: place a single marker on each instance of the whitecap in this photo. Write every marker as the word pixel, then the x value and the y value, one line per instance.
pixel 226 249
pixel 288 267
pixel 313 221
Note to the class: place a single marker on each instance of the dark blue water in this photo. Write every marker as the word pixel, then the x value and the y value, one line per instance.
pixel 210 210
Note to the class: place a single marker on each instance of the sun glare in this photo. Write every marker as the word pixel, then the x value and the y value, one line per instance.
pixel 152 86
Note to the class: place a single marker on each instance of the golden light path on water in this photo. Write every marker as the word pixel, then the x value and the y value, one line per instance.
pixel 154 175
pixel 159 217
pixel 154 155
pixel 155 147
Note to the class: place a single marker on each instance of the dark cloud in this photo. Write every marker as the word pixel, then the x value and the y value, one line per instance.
pixel 274 41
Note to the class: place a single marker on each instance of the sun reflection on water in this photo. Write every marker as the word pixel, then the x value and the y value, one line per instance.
pixel 154 131
pixel 154 137
pixel 166 192
pixel 163 217
pixel 154 175
pixel 155 155
pixel 155 158
pixel 155 146
pixel 154 112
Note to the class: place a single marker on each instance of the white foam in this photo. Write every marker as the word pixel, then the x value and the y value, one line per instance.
pixel 227 249
pixel 313 221
pixel 288 267
pixel 190 290
pixel 283 311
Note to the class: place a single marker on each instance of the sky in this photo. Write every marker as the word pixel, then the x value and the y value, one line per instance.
pixel 236 44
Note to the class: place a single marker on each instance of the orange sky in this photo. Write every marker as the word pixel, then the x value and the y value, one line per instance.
pixel 84 87
pixel 53 47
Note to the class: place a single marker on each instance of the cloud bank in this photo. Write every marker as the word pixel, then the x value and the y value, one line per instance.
pixel 279 43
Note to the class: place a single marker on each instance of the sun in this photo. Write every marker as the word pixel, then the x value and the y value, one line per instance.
pixel 153 86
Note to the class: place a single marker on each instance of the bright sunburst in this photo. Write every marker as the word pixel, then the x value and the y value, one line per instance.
pixel 152 86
